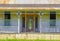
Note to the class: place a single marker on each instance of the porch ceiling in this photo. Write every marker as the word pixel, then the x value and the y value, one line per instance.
pixel 29 10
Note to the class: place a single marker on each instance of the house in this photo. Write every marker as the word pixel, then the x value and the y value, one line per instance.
pixel 34 19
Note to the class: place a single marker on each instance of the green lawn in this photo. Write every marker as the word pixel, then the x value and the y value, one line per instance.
pixel 25 40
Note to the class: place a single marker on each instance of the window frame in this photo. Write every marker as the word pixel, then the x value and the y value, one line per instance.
pixel 52 18
pixel 7 18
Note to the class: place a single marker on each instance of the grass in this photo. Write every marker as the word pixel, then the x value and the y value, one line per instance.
pixel 25 40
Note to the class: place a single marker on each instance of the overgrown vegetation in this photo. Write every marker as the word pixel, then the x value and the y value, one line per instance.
pixel 25 40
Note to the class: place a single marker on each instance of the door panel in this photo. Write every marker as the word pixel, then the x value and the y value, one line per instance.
pixel 30 24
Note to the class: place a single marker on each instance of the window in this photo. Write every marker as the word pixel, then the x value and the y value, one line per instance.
pixel 23 24
pixel 7 18
pixel 52 18
pixel 36 24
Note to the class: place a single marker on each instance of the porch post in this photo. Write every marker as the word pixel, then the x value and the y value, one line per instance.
pixel 41 21
pixel 18 21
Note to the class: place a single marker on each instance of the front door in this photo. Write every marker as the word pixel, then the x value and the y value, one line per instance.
pixel 30 23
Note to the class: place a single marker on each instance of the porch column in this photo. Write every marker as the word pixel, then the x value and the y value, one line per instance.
pixel 18 21
pixel 40 21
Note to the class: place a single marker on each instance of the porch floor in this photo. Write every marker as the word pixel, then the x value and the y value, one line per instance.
pixel 31 36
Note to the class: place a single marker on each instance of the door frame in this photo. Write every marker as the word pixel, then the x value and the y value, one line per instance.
pixel 34 15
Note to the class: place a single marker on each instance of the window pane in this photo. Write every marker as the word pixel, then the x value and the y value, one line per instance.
pixel 52 22
pixel 7 22
pixel 52 15
pixel 30 24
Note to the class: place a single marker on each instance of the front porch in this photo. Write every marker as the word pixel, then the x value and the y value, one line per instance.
pixel 29 20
